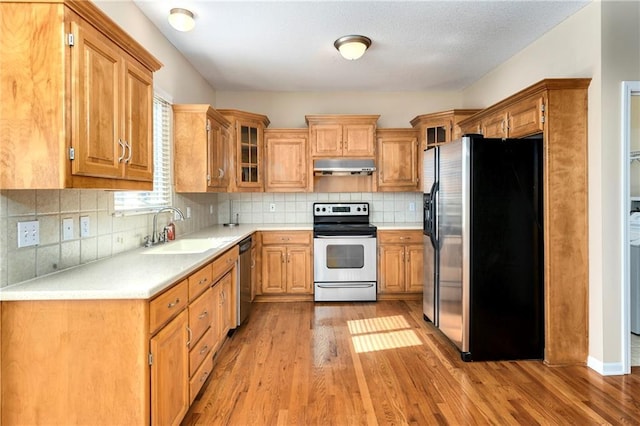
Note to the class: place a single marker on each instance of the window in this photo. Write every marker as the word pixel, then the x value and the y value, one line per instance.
pixel 145 201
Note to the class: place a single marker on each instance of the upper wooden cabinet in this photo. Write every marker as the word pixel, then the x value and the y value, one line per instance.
pixel 287 160
pixel 440 127
pixel 342 135
pixel 201 146
pixel 247 143
pixel 397 162
pixel 88 124
pixel 523 118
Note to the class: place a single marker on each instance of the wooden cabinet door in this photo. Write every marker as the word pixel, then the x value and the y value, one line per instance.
pixel 299 270
pixel 286 161
pixel 358 140
pixel 525 118
pixel 414 275
pixel 273 269
pixel 138 122
pixel 96 93
pixel 218 165
pixel 391 268
pixel 249 155
pixel 170 373
pixel 226 319
pixel 326 140
pixel 495 126
pixel 397 161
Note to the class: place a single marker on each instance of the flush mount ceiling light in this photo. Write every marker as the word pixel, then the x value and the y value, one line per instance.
pixel 181 19
pixel 352 47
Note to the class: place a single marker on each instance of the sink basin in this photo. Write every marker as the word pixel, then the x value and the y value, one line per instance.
pixel 189 246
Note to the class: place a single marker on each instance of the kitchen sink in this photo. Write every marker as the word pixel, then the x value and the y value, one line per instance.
pixel 190 246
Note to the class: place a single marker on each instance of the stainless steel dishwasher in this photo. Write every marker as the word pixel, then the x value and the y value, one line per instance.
pixel 244 280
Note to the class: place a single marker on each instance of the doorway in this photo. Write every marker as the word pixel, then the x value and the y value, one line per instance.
pixel 631 240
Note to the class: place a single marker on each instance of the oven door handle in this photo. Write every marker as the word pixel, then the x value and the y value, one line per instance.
pixel 335 237
pixel 344 285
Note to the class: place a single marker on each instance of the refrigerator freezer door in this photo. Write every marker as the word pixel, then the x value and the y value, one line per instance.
pixel 450 239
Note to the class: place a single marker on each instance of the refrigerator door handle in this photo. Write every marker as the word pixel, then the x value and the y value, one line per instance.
pixel 435 188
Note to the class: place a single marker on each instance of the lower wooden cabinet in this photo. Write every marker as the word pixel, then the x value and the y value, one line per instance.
pixel 170 372
pixel 286 263
pixel 400 264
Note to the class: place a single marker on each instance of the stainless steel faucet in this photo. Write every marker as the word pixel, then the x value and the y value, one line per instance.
pixel 154 235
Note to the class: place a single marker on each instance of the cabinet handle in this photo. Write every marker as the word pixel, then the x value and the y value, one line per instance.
pixel 289 258
pixel 284 238
pixel 403 256
pixel 128 145
pixel 124 150
pixel 220 173
pixel 190 336
pixel 253 263
pixel 204 350
pixel 202 281
pixel 204 376
pixel 203 315
pixel 174 303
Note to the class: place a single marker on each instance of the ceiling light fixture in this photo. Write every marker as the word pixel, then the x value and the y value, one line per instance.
pixel 181 19
pixel 352 47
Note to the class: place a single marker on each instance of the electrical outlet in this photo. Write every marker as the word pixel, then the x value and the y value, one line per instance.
pixel 412 206
pixel 28 233
pixel 67 229
pixel 84 226
pixel 272 207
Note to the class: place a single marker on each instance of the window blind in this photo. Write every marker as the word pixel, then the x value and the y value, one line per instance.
pixel 144 201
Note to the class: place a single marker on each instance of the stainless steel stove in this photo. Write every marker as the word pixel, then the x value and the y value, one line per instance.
pixel 345 246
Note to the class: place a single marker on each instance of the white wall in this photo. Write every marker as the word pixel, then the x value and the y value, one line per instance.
pixel 287 109
pixel 177 77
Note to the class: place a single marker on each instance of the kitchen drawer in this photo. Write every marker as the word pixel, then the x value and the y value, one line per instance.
pixel 200 315
pixel 225 262
pixel 292 237
pixel 199 281
pixel 400 237
pixel 200 351
pixel 198 379
pixel 167 305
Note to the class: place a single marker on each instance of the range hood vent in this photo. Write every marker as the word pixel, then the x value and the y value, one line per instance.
pixel 343 167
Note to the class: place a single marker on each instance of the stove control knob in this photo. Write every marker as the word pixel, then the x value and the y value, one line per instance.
pixel 359 209
pixel 317 209
pixel 364 208
pixel 324 209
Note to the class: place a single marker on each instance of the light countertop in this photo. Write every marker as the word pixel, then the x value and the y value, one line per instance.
pixel 137 274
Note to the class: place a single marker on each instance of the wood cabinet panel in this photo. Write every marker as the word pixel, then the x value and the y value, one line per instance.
pixel 201 350
pixel 170 373
pixel 200 378
pixel 391 268
pixel 92 112
pixel 200 316
pixel 526 117
pixel 287 163
pixel 299 275
pixel 286 263
pixel 414 280
pixel 199 281
pixel 287 237
pixel 342 135
pixel 201 151
pixel 225 262
pixel 397 160
pixel 400 262
pixel 273 269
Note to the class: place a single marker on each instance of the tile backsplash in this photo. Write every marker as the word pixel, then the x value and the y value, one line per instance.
pixel 392 207
pixel 111 234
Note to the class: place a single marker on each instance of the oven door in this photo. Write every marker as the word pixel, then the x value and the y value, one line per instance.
pixel 339 259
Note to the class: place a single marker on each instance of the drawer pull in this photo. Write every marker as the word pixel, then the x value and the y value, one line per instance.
pixel 203 315
pixel 174 303
pixel 229 260
pixel 190 333
pixel 204 376
pixel 202 281
pixel 204 350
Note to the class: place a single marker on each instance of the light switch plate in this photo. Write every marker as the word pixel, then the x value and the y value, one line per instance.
pixel 67 229
pixel 28 233
pixel 412 206
pixel 272 207
pixel 85 226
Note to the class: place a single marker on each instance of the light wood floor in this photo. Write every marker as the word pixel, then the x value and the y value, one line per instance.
pixel 381 363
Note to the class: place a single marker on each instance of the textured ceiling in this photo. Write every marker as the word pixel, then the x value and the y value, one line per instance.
pixel 417 45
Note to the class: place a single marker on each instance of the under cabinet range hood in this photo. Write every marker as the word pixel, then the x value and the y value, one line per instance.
pixel 343 167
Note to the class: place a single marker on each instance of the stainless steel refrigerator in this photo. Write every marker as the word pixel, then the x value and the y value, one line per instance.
pixel 484 231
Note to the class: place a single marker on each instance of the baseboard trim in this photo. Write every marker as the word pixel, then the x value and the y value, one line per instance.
pixel 605 369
